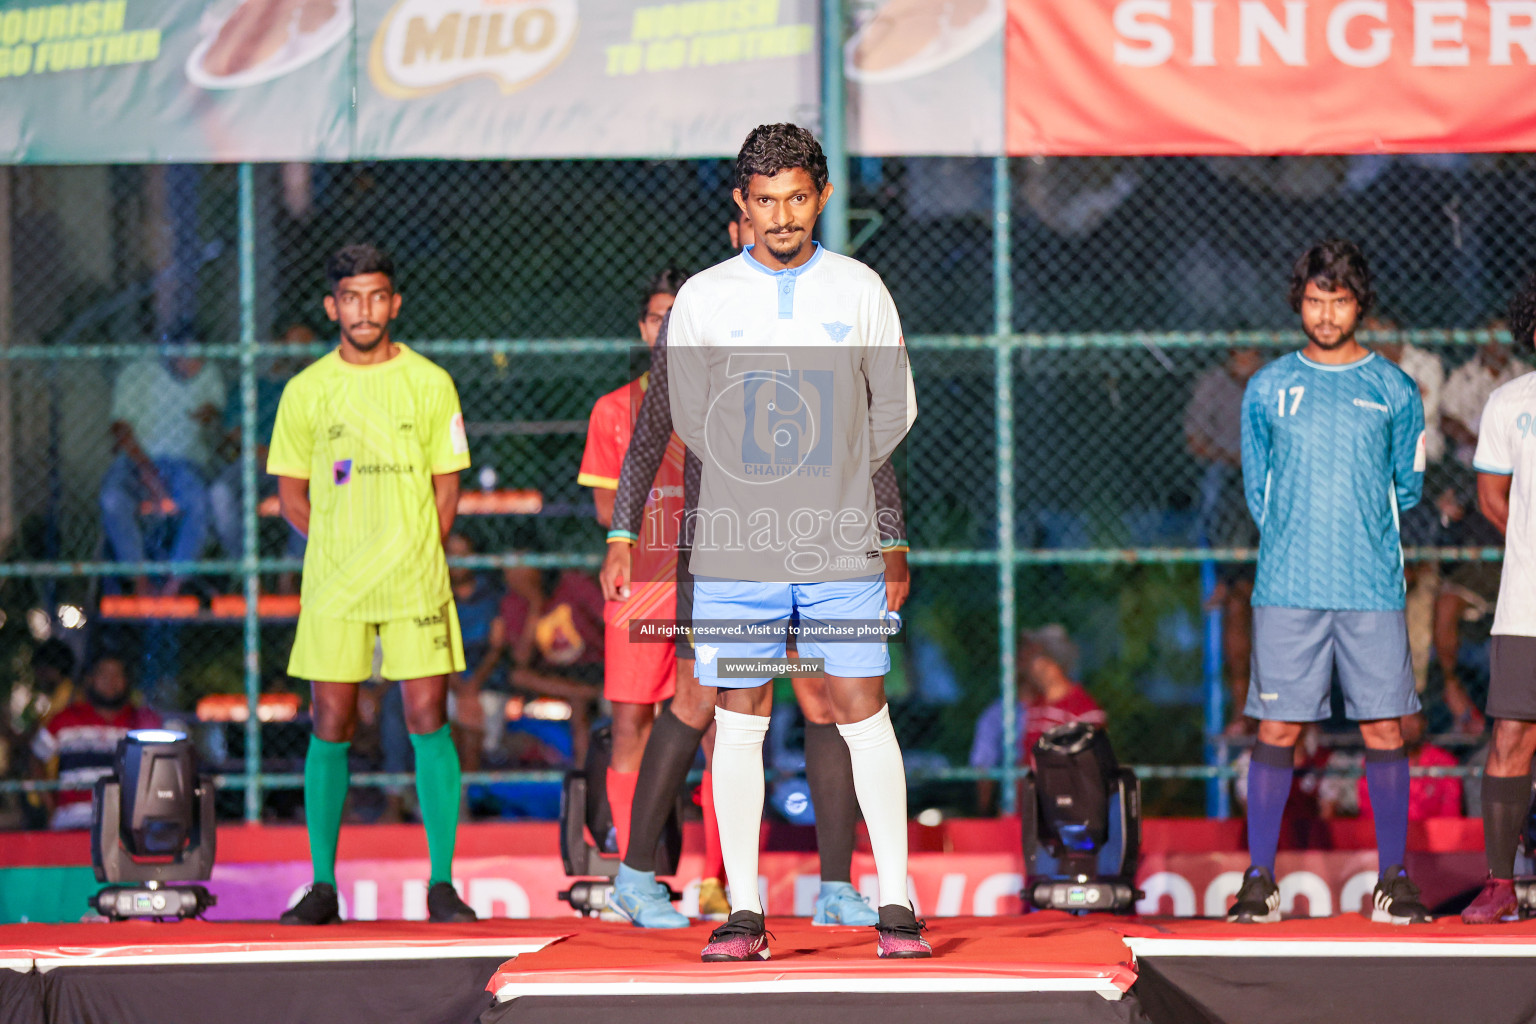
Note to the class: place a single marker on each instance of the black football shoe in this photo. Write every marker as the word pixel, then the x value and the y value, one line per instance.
pixel 444 905
pixel 1258 901
pixel 319 906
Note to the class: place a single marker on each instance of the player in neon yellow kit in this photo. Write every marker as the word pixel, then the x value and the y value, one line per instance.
pixel 367 448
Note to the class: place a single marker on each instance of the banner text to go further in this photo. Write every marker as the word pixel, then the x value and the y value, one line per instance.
pixel 669 37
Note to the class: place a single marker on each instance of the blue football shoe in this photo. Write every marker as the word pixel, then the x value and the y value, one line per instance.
pixel 643 902
pixel 839 903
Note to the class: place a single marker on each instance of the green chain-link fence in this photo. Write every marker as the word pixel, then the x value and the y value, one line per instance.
pixel 1062 316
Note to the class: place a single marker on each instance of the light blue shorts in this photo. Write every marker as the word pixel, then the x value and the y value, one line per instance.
pixel 752 603
pixel 1297 650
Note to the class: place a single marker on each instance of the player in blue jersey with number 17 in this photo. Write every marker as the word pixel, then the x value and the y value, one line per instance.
pixel 1333 452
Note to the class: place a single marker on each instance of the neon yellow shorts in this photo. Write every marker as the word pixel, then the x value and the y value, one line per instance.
pixel 337 651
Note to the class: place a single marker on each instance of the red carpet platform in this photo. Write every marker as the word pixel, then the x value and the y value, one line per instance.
pixel 1042 968
pixel 983 969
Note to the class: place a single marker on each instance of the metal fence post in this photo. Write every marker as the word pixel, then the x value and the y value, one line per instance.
pixel 7 440
pixel 1217 796
pixel 834 135
pixel 1002 328
pixel 248 441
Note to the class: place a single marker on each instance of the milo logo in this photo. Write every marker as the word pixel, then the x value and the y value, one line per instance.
pixel 426 45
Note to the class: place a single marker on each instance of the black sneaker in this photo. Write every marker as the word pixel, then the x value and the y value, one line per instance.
pixel 899 935
pixel 1258 901
pixel 1396 900
pixel 742 937
pixel 444 905
pixel 319 906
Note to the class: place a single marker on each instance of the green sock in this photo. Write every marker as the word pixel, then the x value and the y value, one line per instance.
pixel 325 793
pixel 437 789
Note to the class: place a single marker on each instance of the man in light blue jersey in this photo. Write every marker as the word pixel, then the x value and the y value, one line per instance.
pixel 1333 452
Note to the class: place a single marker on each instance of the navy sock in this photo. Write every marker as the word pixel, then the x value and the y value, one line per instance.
pixel 1269 786
pixel 1386 777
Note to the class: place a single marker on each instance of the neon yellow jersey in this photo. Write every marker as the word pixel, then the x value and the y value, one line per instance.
pixel 369 440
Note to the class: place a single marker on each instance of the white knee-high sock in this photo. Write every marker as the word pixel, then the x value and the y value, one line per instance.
pixel 737 771
pixel 880 780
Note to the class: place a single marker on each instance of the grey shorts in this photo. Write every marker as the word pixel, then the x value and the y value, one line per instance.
pixel 1297 650
pixel 1512 680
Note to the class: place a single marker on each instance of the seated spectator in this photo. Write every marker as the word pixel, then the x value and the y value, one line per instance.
pixel 556 642
pixel 160 409
pixel 1427 797
pixel 1048 697
pixel 1048 662
pixel 561 629
pixel 226 491
pixel 987 748
pixel 53 672
pixel 1463 626
pixel 479 606
pixel 78 745
pixel 1424 367
pixel 1470 384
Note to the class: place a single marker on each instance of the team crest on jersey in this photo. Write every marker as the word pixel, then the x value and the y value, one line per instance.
pixel 341 472
pixel 837 331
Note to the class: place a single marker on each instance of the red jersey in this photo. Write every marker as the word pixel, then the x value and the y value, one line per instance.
pixel 85 742
pixel 1074 706
pixel 609 430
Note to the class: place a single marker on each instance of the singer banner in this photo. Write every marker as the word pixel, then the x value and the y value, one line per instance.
pixel 1149 77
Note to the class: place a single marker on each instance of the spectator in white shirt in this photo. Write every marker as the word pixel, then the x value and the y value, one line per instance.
pixel 161 410
pixel 1426 370
pixel 1470 384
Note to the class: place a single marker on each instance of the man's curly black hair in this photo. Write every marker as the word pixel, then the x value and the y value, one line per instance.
pixel 1335 264
pixel 772 148
pixel 1522 315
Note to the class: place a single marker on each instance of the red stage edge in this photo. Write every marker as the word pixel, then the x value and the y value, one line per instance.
pixel 1045 968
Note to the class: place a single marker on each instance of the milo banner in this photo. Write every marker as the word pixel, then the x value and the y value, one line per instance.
pixel 174 80
pixel 267 80
pixel 569 78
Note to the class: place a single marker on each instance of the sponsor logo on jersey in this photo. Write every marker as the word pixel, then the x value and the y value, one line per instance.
pixel 335 430
pixel 1366 403
pixel 424 46
pixel 341 472
pixel 426 621
pixel 384 467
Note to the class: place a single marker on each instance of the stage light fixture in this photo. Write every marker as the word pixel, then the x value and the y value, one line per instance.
pixel 1081 816
pixel 152 825
pixel 585 826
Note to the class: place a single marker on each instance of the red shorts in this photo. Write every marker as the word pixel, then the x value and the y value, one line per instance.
pixel 639 673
